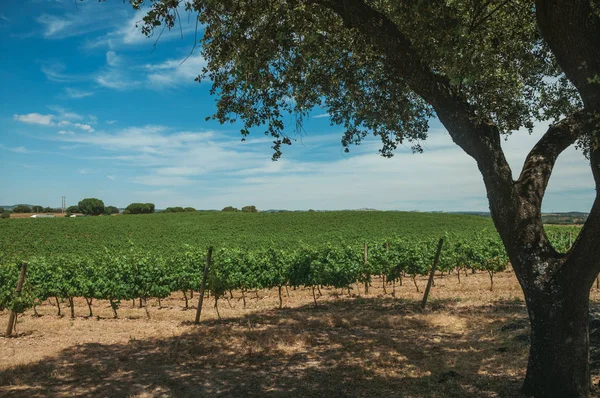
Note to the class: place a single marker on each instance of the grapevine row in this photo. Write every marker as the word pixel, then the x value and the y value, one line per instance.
pixel 136 274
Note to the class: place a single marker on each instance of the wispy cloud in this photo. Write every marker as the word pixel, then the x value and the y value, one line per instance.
pixel 82 126
pixel 110 121
pixel 56 72
pixel 175 71
pixel 320 116
pixel 66 132
pixel 128 32
pixel 85 18
pixel 19 149
pixel 65 113
pixel 75 93
pixel 112 59
pixel 112 178
pixel 116 79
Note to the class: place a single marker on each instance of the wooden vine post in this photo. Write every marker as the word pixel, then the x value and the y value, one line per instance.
pixel 12 319
pixel 203 285
pixel 433 267
pixel 365 259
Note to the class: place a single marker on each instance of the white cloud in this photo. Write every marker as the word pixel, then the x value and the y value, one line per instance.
pixel 75 93
pixel 211 170
pixel 112 178
pixel 84 171
pixel 320 116
pixel 66 132
pixel 35 118
pixel 111 121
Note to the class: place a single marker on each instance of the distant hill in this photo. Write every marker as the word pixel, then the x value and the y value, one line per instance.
pixel 570 217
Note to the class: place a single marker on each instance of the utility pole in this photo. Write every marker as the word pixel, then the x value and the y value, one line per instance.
pixel 63 203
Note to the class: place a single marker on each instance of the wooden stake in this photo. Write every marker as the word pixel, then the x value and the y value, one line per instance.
pixel 280 299
pixel 433 267
pixel 365 259
pixel 12 319
pixel 570 240
pixel 203 285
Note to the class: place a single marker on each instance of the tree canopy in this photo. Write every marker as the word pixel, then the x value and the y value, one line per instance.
pixel 91 206
pixel 140 208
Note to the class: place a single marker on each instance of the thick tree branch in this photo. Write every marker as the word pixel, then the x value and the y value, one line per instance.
pixel 572 30
pixel 586 249
pixel 479 139
pixel 539 163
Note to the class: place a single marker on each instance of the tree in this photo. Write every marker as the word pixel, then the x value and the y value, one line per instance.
pixel 73 209
pixel 91 206
pixel 21 209
pixel 484 69
pixel 37 209
pixel 140 208
pixel 109 210
pixel 230 208
pixel 249 209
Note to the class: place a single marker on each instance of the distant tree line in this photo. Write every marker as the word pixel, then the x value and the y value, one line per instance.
pixel 245 209
pixel 35 209
pixel 139 208
pixel 178 209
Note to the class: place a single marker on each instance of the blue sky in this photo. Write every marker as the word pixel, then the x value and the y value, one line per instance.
pixel 90 108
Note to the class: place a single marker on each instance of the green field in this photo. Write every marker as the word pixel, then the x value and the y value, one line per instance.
pixel 165 233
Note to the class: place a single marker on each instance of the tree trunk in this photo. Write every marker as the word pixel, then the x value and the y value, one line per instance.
pixel 280 299
pixel 72 305
pixel 146 308
pixel 558 356
pixel 89 303
pixel 57 305
pixel 113 305
pixel 186 299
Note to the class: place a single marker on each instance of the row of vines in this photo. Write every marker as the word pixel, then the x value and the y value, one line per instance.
pixel 141 275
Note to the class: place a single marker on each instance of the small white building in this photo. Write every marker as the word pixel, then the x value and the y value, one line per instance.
pixel 43 216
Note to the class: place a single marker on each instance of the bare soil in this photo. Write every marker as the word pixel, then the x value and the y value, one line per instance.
pixel 469 342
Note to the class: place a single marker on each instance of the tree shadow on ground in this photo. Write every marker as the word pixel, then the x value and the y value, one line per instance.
pixel 362 347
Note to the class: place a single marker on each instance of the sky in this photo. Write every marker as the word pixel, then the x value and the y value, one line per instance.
pixel 90 107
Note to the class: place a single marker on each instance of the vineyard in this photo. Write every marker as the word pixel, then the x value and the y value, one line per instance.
pixel 151 269
pixel 312 303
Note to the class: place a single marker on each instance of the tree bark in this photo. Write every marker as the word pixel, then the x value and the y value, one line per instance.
pixel 558 356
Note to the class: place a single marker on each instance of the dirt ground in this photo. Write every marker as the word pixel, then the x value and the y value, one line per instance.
pixel 469 342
